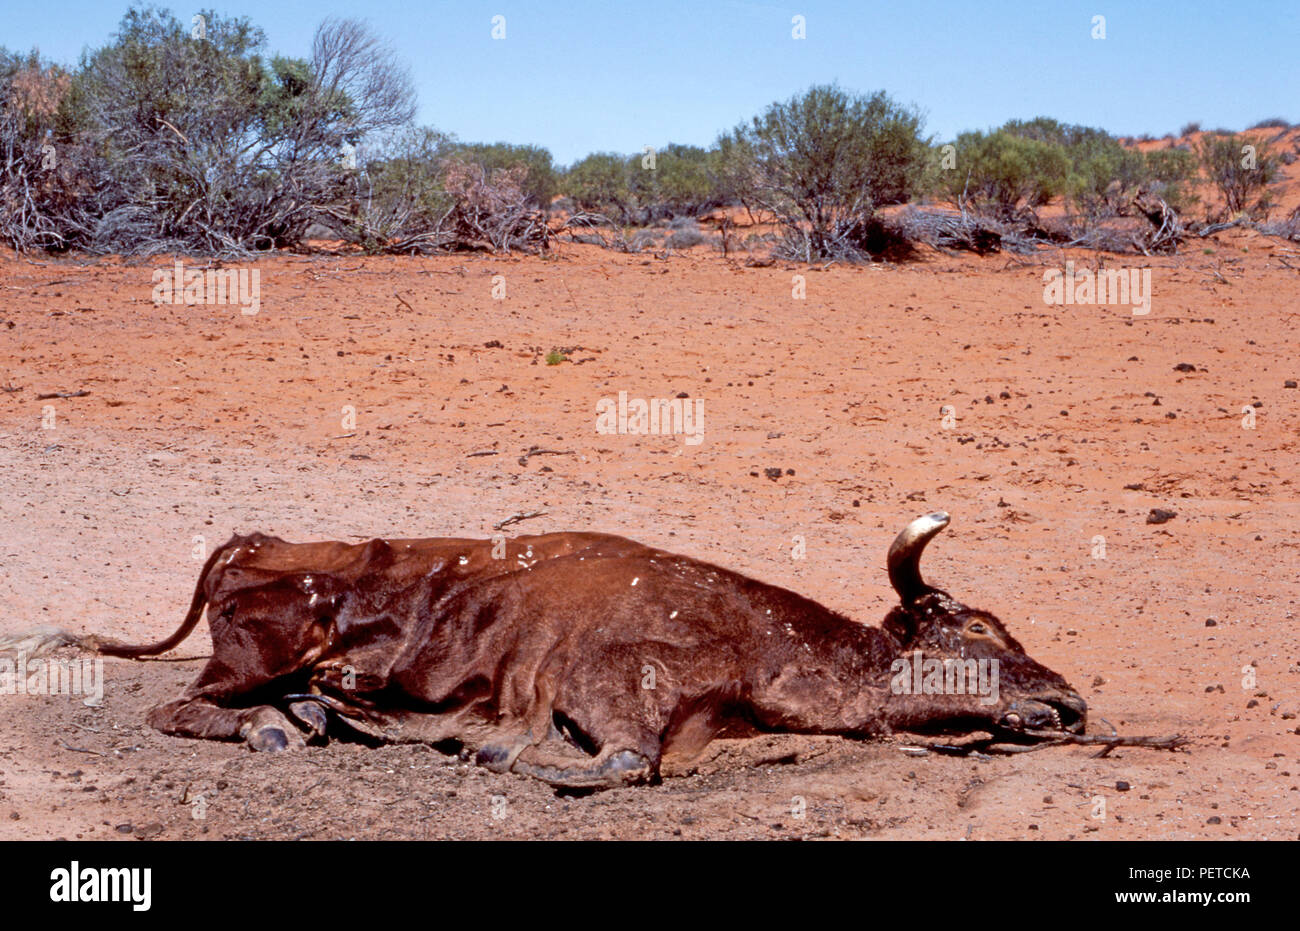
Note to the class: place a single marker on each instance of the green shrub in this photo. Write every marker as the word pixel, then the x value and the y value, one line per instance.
pixel 202 144
pixel 823 162
pixel 1170 174
pixel 601 183
pixel 1226 163
pixel 679 184
pixel 1002 173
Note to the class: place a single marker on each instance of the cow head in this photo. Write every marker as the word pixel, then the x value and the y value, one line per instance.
pixel 936 633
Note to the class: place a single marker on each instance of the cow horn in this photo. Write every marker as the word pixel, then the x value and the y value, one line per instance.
pixel 904 559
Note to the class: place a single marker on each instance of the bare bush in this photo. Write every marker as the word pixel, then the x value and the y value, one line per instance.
pixel 684 236
pixel 1242 168
pixel 201 144
pixel 31 183
pixel 398 202
pixel 492 211
pixel 961 232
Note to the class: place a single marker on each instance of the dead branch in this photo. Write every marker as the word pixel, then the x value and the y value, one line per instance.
pixel 538 451
pixel 998 745
pixel 516 518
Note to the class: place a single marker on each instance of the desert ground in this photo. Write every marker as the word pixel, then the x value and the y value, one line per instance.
pixel 1071 424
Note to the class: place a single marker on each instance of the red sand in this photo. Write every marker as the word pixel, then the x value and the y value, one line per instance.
pixel 201 421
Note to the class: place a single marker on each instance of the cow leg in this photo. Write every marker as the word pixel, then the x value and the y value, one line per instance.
pixel 311 715
pixel 623 751
pixel 261 727
pixel 611 742
pixel 612 767
pixel 501 755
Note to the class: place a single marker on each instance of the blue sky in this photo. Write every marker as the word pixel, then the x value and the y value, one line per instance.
pixel 579 76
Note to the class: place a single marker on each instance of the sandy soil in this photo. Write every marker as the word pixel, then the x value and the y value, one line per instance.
pixel 1072 423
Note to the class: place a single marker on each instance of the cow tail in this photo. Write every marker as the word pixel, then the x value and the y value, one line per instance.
pixel 197 603
pixel 41 640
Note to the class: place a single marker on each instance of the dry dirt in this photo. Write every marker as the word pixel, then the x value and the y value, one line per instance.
pixel 1072 422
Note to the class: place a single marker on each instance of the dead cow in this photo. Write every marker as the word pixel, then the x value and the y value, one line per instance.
pixel 582 659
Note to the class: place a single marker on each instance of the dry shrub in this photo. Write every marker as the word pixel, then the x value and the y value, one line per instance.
pixel 31 190
pixel 492 211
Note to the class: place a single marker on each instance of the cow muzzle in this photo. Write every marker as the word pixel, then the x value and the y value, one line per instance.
pixel 1064 712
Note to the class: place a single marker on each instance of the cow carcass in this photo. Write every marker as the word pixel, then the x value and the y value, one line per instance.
pixel 583 659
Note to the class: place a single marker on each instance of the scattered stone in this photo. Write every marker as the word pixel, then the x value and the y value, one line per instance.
pixel 1161 516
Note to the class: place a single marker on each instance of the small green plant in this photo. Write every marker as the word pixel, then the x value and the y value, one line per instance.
pixel 556 356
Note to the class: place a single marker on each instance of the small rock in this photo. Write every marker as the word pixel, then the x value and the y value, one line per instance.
pixel 1122 786
pixel 1184 367
pixel 1160 516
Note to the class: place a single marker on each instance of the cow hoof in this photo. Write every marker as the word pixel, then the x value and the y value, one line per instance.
pixel 628 767
pixel 268 740
pixel 498 758
pixel 269 731
pixel 312 715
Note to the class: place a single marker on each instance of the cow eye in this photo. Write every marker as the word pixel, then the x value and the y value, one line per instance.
pixel 978 628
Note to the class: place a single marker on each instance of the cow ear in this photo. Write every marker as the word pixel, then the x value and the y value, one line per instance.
pixel 901 623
